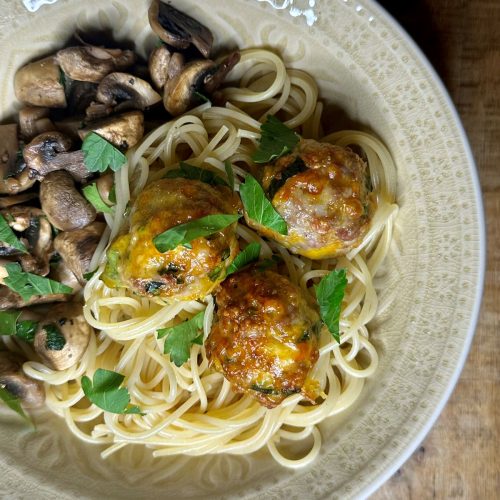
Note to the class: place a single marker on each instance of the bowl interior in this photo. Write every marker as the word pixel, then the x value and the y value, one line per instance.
pixel 370 77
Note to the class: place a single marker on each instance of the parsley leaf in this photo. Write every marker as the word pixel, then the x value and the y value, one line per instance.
pixel 187 171
pixel 249 254
pixel 276 140
pixel 99 154
pixel 259 208
pixel 329 294
pixel 105 392
pixel 183 234
pixel 181 337
pixel 8 236
pixel 13 403
pixel 9 325
pixel 54 341
pixel 92 194
pixel 27 284
pixel 230 173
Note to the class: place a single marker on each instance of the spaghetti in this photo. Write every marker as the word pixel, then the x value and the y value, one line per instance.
pixel 191 409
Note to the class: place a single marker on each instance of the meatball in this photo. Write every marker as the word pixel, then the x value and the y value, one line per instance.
pixel 265 337
pixel 322 192
pixel 186 272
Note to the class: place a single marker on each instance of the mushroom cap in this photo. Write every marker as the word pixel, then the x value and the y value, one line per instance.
pixel 175 65
pixel 178 29
pixel 37 237
pixel 125 91
pixel 39 84
pixel 12 378
pixel 68 320
pixel 63 204
pixel 49 152
pixel 77 247
pixel 179 91
pixel 92 64
pixel 123 131
pixel 14 176
pixel 159 60
pixel 33 121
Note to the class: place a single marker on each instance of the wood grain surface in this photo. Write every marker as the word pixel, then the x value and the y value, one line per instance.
pixel 460 456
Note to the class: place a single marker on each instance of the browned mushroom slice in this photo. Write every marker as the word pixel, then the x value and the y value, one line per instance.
pixel 60 272
pixel 36 236
pixel 80 96
pixel 29 391
pixel 10 201
pixel 77 247
pixel 39 84
pixel 124 91
pixel 178 29
pixel 12 300
pixel 123 131
pixel 105 185
pixel 34 121
pixel 180 91
pixel 92 64
pixel 159 60
pixel 62 340
pixel 14 176
pixel 63 204
pixel 215 80
pixel 175 65
pixel 97 111
pixel 49 152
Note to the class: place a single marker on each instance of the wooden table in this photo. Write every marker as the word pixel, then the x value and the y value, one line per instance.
pixel 459 457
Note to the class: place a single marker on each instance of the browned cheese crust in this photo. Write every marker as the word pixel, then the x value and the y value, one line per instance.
pixel 182 273
pixel 264 337
pixel 322 192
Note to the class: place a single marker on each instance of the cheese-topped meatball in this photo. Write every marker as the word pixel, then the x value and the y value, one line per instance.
pixel 322 192
pixel 264 337
pixel 187 272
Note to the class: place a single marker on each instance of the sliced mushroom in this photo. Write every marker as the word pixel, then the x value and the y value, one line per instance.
pixel 63 204
pixel 14 176
pixel 105 184
pixel 159 60
pixel 40 84
pixel 49 152
pixel 92 64
pixel 180 91
pixel 175 65
pixel 34 121
pixel 124 91
pixel 80 96
pixel 215 80
pixel 10 201
pixel 97 111
pixel 62 340
pixel 29 391
pixel 178 29
pixel 77 247
pixel 123 131
pixel 61 272
pixel 36 236
pixel 70 127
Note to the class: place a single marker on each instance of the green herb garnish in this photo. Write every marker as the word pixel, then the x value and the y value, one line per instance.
pixel 259 208
pixel 13 403
pixel 249 254
pixel 181 337
pixel 99 154
pixel 91 192
pixel 276 140
pixel 230 173
pixel 8 236
pixel 329 294
pixel 10 325
pixel 187 171
pixel 105 392
pixel 183 234
pixel 27 284
pixel 54 340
